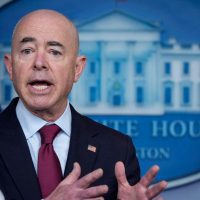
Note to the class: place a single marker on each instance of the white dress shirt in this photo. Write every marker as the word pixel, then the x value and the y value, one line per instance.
pixel 31 124
pixel 1 196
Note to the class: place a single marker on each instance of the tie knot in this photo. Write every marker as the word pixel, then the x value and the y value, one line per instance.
pixel 48 133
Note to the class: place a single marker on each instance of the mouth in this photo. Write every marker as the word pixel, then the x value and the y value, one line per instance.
pixel 40 85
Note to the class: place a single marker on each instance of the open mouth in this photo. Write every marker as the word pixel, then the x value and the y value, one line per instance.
pixel 40 85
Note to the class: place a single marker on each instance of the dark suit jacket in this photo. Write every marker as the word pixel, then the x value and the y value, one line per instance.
pixel 18 179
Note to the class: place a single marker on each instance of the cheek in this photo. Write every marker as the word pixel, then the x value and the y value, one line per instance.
pixel 66 73
pixel 18 79
pixel 66 78
pixel 19 74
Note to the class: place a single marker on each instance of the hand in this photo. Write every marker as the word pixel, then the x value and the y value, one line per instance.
pixel 74 188
pixel 140 191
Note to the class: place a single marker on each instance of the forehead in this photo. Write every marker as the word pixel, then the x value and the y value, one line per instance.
pixel 44 27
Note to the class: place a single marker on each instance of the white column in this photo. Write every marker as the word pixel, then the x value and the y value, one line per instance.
pixel 103 74
pixel 157 74
pixel 176 78
pixel 130 76
pixel 195 73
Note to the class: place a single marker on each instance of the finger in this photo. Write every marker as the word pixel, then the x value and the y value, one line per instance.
pixel 74 175
pixel 98 198
pixel 90 178
pixel 96 191
pixel 159 198
pixel 120 173
pixel 156 189
pixel 149 176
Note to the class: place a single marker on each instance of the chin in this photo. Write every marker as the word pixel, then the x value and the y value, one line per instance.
pixel 38 105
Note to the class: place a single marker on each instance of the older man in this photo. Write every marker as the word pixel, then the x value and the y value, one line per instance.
pixel 43 138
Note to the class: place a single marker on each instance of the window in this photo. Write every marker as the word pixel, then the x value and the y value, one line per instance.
pixel 186 68
pixel 93 94
pixel 199 94
pixel 117 67
pixel 139 68
pixel 168 96
pixel 116 100
pixel 116 97
pixel 167 68
pixel 92 67
pixel 168 93
pixel 139 94
pixel 186 95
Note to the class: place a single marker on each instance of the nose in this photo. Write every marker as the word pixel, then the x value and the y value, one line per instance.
pixel 40 62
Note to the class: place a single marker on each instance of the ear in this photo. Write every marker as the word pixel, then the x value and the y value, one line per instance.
pixel 80 65
pixel 8 63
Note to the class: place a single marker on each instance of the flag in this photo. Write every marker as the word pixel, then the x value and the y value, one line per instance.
pixel 92 148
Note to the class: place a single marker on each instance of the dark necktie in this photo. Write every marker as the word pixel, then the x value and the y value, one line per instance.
pixel 49 169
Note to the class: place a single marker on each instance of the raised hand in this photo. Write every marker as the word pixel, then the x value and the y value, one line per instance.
pixel 74 188
pixel 140 191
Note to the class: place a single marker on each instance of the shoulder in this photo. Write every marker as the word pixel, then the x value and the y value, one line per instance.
pixel 8 114
pixel 105 132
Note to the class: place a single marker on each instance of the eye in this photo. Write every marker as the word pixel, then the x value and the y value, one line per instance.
pixel 26 51
pixel 55 52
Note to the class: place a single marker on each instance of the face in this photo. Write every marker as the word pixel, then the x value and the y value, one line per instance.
pixel 44 64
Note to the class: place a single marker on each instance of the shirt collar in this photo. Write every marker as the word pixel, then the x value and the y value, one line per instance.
pixel 31 124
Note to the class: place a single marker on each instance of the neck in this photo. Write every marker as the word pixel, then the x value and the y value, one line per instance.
pixel 49 115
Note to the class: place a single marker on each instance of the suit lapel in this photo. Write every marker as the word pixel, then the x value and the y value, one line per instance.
pixel 83 145
pixel 16 156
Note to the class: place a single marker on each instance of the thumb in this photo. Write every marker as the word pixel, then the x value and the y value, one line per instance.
pixel 120 174
pixel 74 174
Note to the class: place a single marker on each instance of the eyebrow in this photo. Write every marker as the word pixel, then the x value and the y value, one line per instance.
pixel 55 43
pixel 27 39
pixel 49 43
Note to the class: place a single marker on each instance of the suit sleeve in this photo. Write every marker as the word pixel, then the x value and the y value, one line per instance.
pixel 131 163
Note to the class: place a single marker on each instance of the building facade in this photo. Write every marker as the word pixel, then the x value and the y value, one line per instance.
pixel 130 71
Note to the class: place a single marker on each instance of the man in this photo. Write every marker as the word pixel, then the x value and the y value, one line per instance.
pixel 97 161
